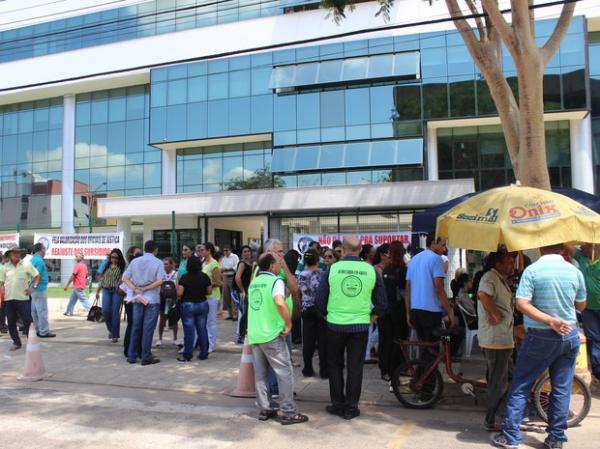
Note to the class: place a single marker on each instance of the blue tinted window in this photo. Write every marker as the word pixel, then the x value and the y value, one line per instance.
pixel 218 86
pixel 197 89
pixel 285 112
pixel 261 114
pixel 383 153
pixel 330 72
pixel 239 83
pixel 357 106
pixel 332 156
pixel 283 159
pixel 357 155
pixel 308 111
pixel 433 62
pixel 158 95
pixel 218 118
pixel 177 92
pixel 260 80
pixel 332 108
pixel 380 66
pixel 197 120
pixel 239 116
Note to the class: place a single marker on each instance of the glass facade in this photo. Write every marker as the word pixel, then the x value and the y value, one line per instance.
pixel 31 164
pixel 112 155
pixel 594 70
pixel 148 18
pixel 479 152
pixel 320 103
pixel 224 167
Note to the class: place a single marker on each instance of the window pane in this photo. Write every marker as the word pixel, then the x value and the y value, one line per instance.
pixel 330 72
pixel 357 107
pixel 358 177
pixel 307 158
pixel 380 66
pixel 306 74
pixel 462 97
pixel 408 102
pixel 239 83
pixel 383 153
pixel 355 68
pixel 435 99
pixel 332 156
pixel 283 159
pixel 177 92
pixel 357 155
pixel 218 86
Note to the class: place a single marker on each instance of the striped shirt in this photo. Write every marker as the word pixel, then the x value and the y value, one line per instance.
pixel 553 286
pixel 111 277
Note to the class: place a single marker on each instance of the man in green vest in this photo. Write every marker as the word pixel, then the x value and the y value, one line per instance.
pixel 269 323
pixel 351 298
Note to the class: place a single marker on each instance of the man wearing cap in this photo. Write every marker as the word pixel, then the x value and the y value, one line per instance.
pixel 39 298
pixel 19 281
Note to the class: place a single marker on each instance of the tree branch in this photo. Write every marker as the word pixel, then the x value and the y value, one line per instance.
pixel 490 7
pixel 521 20
pixel 461 24
pixel 478 21
pixel 531 17
pixel 559 32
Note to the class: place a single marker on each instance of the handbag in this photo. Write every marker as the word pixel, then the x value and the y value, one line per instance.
pixel 95 313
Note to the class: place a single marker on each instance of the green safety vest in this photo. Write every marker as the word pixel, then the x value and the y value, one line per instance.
pixel 351 284
pixel 264 322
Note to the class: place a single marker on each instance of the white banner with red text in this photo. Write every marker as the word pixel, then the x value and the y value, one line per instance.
pixel 301 241
pixel 92 246
pixel 8 240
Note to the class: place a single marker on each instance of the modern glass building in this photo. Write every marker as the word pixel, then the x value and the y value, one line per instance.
pixel 236 120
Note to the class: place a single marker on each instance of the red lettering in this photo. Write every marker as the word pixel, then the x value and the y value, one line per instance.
pixel 551 209
pixel 517 212
pixel 533 212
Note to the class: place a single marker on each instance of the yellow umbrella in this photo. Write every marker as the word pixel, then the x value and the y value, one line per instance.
pixel 519 217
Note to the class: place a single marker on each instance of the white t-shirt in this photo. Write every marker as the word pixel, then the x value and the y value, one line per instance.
pixel 230 262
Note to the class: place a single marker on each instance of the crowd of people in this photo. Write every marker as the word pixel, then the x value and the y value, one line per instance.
pixel 347 303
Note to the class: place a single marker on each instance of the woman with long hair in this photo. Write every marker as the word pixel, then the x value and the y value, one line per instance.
pixel 212 269
pixel 111 300
pixel 393 324
pixel 193 288
pixel 187 251
pixel 239 290
pixel 330 256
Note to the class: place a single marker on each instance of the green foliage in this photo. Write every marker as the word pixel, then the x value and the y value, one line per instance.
pixel 262 179
pixel 337 8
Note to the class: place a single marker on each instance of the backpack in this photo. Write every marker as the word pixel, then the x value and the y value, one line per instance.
pixel 168 290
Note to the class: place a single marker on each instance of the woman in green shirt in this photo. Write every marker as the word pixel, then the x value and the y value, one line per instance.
pixel 212 269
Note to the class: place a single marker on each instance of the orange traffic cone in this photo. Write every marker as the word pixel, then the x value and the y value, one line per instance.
pixel 34 365
pixel 245 383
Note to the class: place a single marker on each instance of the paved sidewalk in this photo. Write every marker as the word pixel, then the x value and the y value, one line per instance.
pixel 94 399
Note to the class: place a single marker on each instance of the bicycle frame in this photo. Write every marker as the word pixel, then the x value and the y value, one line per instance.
pixel 444 356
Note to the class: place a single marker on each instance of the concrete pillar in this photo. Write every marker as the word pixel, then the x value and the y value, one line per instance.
pixel 265 228
pixel 68 178
pixel 169 172
pixel 582 158
pixel 432 155
pixel 124 226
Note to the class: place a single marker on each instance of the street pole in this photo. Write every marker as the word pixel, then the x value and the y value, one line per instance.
pixel 173 236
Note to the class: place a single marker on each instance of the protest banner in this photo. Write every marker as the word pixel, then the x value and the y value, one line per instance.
pixel 93 246
pixel 301 241
pixel 8 240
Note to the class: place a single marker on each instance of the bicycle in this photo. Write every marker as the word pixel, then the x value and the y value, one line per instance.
pixel 418 384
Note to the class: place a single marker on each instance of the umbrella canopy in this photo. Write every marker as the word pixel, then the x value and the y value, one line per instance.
pixel 425 222
pixel 519 217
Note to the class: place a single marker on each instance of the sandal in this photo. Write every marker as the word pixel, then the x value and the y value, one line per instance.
pixel 298 418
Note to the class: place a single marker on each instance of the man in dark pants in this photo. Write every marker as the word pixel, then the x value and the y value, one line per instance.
pixel 351 299
pixel 19 279
pixel 425 295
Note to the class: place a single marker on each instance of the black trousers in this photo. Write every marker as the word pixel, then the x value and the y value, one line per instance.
pixel 352 345
pixel 314 334
pixel 13 310
pixel 129 316
pixel 2 317
pixel 392 326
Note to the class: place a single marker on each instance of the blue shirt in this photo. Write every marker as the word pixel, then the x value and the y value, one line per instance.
pixel 144 271
pixel 38 263
pixel 422 271
pixel 553 286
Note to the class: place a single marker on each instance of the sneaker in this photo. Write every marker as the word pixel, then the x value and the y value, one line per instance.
pixel 351 413
pixel 150 361
pixel 549 444
pixel 335 410
pixel 499 440
pixel 67 314
pixel 298 418
pixel 158 343
pixel 265 415
pixel 177 343
pixel 48 335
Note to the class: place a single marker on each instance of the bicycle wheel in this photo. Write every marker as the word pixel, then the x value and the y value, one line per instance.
pixel 405 383
pixel 579 407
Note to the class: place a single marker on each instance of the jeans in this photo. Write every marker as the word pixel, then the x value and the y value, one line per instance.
pixel 314 334
pixel 14 308
pixel 211 323
pixel 142 330
pixel 242 317
pixel 591 327
pixel 111 310
pixel 352 345
pixel 542 349
pixel 498 363
pixel 372 339
pixel 78 294
pixel 39 312
pixel 194 316
pixel 274 354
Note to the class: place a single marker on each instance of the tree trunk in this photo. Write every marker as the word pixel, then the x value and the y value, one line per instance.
pixel 532 139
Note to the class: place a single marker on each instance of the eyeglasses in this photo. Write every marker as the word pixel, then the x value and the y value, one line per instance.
pixel 114 257
pixel 329 256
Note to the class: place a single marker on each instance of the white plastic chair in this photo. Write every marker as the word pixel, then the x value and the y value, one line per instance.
pixel 470 334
